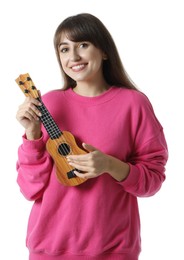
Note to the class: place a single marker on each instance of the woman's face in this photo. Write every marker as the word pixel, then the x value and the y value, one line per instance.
pixel 81 61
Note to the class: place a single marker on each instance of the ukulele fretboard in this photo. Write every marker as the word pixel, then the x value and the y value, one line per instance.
pixel 48 122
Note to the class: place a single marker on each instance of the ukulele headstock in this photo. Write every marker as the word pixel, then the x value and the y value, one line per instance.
pixel 27 86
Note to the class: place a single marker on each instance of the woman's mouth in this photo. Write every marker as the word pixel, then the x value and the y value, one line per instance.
pixel 78 67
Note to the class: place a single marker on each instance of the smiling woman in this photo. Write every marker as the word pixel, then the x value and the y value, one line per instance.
pixel 88 28
pixel 125 158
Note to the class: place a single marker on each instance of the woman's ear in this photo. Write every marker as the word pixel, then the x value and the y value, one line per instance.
pixel 104 56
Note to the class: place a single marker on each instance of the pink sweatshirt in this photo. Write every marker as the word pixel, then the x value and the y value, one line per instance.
pixel 98 219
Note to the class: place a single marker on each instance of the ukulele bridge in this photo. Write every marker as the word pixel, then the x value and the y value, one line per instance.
pixel 71 173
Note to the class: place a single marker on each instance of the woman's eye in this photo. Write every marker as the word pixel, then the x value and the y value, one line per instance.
pixel 83 45
pixel 63 50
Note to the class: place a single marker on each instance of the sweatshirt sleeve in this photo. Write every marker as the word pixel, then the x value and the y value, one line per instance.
pixel 34 166
pixel 150 153
pixel 147 169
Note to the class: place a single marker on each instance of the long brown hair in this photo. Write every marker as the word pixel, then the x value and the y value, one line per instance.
pixel 87 27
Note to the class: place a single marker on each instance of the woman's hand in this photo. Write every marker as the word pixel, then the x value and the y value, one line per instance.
pixel 92 164
pixel 28 116
pixel 95 163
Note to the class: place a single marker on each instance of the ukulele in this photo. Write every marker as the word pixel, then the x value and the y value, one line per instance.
pixel 61 143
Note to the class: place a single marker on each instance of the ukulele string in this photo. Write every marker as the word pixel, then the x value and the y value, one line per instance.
pixel 55 131
pixel 60 140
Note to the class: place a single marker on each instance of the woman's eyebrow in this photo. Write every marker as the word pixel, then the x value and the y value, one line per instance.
pixel 63 43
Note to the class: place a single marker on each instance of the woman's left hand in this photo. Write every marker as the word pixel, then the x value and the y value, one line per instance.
pixel 91 164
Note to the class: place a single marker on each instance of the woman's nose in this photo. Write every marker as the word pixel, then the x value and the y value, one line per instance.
pixel 74 56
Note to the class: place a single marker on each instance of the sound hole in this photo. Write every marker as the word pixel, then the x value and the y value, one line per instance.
pixel 64 149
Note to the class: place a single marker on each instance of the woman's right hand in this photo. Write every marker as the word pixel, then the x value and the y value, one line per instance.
pixel 28 116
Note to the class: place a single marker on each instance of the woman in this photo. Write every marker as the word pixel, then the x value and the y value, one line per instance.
pixel 126 152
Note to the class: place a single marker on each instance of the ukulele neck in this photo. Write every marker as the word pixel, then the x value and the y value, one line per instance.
pixel 48 121
pixel 28 88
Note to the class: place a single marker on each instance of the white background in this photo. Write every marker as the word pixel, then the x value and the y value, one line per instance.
pixel 149 36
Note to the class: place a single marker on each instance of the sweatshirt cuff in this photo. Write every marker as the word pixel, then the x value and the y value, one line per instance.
pixel 132 179
pixel 36 145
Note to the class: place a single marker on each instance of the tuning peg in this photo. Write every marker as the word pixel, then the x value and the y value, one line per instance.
pixel 21 83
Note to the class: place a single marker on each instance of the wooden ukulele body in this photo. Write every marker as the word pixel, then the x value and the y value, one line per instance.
pixel 59 149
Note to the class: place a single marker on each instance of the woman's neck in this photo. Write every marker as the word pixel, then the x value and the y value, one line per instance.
pixel 91 89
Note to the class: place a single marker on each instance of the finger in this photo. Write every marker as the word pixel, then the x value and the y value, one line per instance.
pixel 39 93
pixel 89 147
pixel 80 167
pixel 35 110
pixel 77 158
pixel 81 175
pixel 27 115
pixel 33 101
pixel 85 175
pixel 32 116
pixel 29 111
